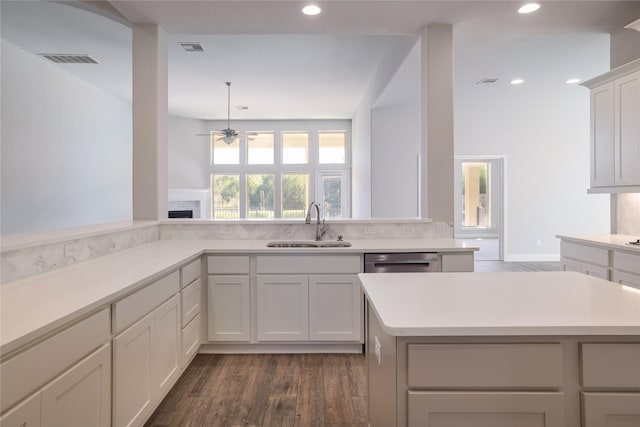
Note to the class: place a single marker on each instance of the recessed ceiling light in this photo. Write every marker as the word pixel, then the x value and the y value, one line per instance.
pixel 573 81
pixel 529 7
pixel 311 10
pixel 516 81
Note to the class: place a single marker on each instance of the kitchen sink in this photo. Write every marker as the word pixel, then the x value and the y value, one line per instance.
pixel 308 244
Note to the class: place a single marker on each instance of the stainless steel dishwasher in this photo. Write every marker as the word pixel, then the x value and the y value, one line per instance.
pixel 402 262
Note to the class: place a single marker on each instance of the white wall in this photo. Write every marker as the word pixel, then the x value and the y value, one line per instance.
pixel 66 148
pixel 188 153
pixel 542 127
pixel 395 146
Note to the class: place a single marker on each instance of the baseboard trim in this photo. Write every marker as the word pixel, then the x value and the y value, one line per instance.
pixel 279 348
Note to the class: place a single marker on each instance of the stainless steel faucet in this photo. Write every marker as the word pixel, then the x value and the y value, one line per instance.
pixel 321 228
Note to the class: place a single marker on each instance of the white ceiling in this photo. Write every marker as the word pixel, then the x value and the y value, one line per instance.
pixel 284 64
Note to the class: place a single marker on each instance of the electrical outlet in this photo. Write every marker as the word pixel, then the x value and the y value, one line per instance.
pixel 370 230
pixel 71 250
pixel 378 350
pixel 538 242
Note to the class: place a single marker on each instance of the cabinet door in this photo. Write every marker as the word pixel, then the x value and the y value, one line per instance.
pixel 480 409
pixel 228 308
pixel 595 270
pixel 335 308
pixel 626 279
pixel 166 347
pixel 132 365
pixel 627 130
pixel 81 396
pixel 611 409
pixel 283 307
pixel 602 136
pixel 569 264
pixel 26 414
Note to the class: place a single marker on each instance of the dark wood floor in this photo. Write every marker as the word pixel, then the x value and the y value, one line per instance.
pixel 268 390
pixel 314 390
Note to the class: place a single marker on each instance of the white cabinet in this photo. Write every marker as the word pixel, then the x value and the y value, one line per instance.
pixel 283 307
pixel 309 298
pixel 615 129
pixel 335 308
pixel 81 396
pixel 626 268
pixel 146 363
pixel 68 370
pixel 26 414
pixel 229 308
pixel 585 259
pixel 228 298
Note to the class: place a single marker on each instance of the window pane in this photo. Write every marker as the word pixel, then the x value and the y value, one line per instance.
pixel 260 191
pixel 476 204
pixel 332 196
pixel 295 148
pixel 332 147
pixel 223 153
pixel 260 148
pixel 225 203
pixel 295 195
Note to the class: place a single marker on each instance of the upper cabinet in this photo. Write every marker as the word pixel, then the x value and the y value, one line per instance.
pixel 615 130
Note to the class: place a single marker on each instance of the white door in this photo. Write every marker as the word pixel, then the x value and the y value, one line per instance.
pixel 283 307
pixel 166 346
pixel 229 308
pixel 82 395
pixel 335 308
pixel 132 378
pixel 26 414
pixel 478 204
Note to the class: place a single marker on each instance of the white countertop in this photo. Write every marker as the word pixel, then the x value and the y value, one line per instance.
pixel 36 305
pixel 501 304
pixel 609 241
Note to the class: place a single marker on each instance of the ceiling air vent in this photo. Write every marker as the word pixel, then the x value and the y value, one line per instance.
pixel 483 81
pixel 191 46
pixel 65 58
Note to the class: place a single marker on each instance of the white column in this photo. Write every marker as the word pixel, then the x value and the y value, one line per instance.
pixel 437 123
pixel 150 118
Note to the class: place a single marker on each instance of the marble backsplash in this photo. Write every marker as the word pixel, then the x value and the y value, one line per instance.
pixel 301 231
pixel 40 258
pixel 628 212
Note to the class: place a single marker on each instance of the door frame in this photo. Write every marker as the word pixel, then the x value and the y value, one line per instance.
pixel 501 227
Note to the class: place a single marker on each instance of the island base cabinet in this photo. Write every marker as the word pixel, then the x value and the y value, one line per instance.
pixel 611 409
pixel 481 409
pixel 82 396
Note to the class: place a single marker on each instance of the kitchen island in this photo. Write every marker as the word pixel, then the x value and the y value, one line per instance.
pixel 553 349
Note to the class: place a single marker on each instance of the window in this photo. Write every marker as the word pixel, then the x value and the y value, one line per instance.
pixel 272 174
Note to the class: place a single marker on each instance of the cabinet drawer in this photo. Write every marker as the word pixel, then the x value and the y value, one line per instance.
pixel 228 264
pixel 28 371
pixel 611 409
pixel 625 261
pixel 190 340
pixel 626 279
pixel 611 366
pixel 442 409
pixel 191 297
pixel 597 256
pixel 330 264
pixel 134 307
pixel 485 366
pixel 190 272
pixel 595 271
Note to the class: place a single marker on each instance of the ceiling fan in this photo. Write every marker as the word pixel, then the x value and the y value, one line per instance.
pixel 228 135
